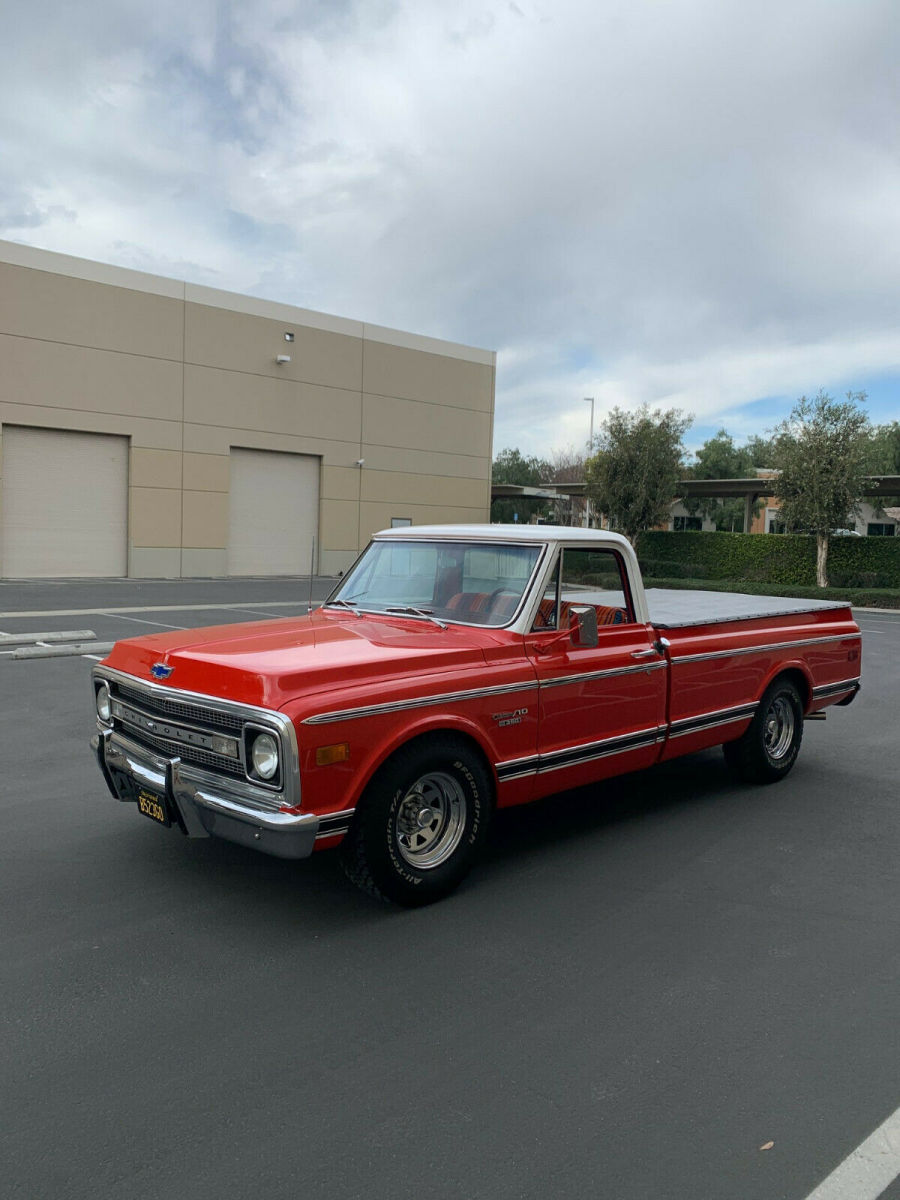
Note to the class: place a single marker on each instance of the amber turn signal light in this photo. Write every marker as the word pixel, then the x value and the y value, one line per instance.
pixel 326 755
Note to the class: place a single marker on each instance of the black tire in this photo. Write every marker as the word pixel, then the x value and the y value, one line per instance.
pixel 769 748
pixel 421 823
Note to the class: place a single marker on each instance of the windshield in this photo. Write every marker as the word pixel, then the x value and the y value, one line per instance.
pixel 473 583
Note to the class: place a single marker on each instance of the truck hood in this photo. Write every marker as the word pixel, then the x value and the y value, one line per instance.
pixel 267 663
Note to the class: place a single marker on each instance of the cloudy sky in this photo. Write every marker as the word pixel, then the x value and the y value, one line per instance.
pixel 690 203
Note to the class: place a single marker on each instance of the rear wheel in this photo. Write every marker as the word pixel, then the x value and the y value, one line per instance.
pixel 421 824
pixel 769 748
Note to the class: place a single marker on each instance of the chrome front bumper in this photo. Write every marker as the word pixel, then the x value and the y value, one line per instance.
pixel 204 805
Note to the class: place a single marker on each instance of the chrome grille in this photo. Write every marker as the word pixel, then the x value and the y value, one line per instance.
pixel 199 715
pixel 163 706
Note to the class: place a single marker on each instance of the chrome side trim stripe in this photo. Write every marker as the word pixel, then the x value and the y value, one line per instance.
pixel 586 676
pixel 723 716
pixel 373 710
pixel 570 756
pixel 538 764
pixel 841 637
pixel 619 745
pixel 834 689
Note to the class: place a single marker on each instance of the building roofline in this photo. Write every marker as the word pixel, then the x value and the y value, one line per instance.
pixel 18 254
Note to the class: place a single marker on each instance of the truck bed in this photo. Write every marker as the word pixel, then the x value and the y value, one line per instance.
pixel 673 608
pixel 676 608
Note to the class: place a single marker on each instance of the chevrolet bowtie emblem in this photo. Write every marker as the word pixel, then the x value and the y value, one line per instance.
pixel 161 671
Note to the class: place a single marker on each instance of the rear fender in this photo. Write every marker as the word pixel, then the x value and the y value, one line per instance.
pixel 798 673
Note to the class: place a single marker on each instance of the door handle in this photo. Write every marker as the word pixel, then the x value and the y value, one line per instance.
pixel 651 653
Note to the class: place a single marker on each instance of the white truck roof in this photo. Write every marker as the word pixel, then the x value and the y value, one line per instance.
pixel 506 533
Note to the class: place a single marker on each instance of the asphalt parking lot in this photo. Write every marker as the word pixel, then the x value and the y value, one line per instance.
pixel 675 986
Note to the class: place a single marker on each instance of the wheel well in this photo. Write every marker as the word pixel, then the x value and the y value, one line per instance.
pixel 453 736
pixel 795 676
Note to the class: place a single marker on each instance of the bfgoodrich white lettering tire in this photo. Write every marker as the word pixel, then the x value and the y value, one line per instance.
pixel 421 823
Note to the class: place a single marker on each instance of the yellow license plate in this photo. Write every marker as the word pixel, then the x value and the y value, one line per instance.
pixel 153 806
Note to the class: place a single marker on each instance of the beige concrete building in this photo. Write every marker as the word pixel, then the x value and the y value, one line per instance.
pixel 155 428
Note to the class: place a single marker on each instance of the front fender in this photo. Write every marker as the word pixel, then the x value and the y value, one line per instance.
pixel 430 723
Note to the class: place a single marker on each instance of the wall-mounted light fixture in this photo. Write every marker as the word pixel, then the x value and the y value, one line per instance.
pixel 360 462
pixel 281 359
pixel 288 337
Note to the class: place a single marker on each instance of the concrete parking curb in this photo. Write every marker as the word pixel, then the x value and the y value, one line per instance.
pixel 68 635
pixel 62 651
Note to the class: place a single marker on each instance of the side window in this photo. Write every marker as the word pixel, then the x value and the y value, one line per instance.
pixel 586 576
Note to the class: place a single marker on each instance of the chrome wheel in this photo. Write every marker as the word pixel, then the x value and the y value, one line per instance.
pixel 768 749
pixel 430 821
pixel 779 728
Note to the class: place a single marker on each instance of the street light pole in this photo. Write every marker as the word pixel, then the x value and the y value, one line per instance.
pixel 587 507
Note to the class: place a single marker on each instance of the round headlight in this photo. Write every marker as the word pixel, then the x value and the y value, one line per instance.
pixel 104 706
pixel 264 756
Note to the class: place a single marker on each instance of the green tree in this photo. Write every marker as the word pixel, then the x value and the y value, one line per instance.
pixel 883 457
pixel 634 475
pixel 761 451
pixel 720 458
pixel 511 466
pixel 820 451
pixel 883 453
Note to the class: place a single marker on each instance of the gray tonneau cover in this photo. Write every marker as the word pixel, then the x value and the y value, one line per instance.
pixel 673 608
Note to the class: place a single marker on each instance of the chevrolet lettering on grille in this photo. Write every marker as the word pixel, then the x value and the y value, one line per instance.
pixel 173 733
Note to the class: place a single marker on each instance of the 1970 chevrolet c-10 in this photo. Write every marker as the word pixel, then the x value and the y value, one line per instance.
pixel 456 669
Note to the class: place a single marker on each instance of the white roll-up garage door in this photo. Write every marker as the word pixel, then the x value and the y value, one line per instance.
pixel 64 503
pixel 273 512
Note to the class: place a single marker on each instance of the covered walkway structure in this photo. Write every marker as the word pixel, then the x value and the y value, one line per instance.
pixel 876 487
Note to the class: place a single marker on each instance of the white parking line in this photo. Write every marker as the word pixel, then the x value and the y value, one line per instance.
pixel 141 621
pixel 261 613
pixel 869 1169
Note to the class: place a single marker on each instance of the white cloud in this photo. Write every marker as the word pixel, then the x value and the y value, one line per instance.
pixel 685 203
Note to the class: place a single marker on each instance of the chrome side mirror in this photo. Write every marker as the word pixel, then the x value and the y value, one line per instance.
pixel 583 625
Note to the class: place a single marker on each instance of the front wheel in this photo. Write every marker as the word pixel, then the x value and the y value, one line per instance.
pixel 769 748
pixel 421 823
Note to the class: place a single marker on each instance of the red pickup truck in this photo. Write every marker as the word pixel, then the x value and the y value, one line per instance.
pixel 452 671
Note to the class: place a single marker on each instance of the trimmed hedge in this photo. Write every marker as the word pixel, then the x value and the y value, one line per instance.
pixel 858 597
pixel 769 558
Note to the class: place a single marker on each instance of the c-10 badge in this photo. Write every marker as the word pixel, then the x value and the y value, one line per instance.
pixel 510 718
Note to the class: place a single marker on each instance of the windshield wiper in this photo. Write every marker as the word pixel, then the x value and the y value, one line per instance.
pixel 417 612
pixel 342 604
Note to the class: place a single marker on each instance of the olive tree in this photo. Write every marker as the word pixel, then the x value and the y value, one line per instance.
pixel 634 475
pixel 820 452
